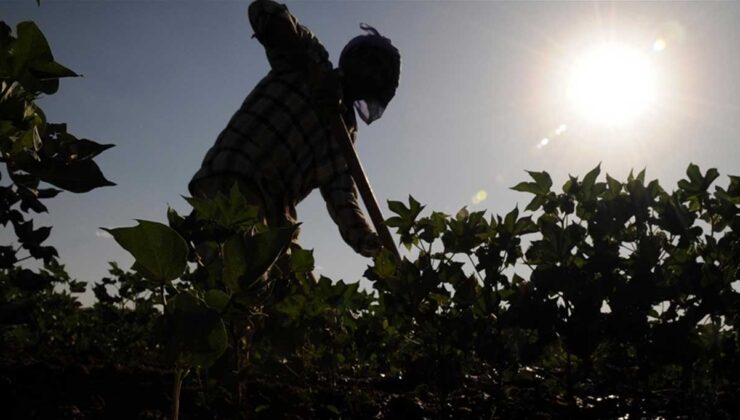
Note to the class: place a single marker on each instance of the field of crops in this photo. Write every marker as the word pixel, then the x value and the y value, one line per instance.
pixel 601 299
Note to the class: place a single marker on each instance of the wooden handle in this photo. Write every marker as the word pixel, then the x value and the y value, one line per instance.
pixel 342 136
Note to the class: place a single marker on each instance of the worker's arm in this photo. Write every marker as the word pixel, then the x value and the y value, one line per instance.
pixel 289 45
pixel 273 25
pixel 341 201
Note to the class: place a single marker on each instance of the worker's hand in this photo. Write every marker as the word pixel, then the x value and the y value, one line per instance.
pixel 326 94
pixel 274 26
pixel 370 245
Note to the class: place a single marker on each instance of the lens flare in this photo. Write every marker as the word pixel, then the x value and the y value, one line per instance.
pixel 659 45
pixel 480 197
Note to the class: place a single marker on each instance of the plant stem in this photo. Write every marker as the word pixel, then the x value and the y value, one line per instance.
pixel 475 270
pixel 176 387
pixel 27 257
pixel 164 299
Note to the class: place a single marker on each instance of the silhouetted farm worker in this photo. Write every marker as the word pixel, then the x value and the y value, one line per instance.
pixel 278 146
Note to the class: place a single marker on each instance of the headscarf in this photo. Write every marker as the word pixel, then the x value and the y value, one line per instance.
pixel 382 62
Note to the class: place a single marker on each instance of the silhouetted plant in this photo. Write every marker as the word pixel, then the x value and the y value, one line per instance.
pixel 36 152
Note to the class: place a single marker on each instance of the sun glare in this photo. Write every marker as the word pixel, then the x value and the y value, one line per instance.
pixel 612 85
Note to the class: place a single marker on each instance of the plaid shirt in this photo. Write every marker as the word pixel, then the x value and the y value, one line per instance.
pixel 277 142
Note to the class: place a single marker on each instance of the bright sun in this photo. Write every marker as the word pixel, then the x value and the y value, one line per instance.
pixel 612 85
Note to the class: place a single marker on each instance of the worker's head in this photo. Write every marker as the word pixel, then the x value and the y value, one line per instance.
pixel 371 67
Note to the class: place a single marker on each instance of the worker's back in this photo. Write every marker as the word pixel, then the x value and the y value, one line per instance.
pixel 276 141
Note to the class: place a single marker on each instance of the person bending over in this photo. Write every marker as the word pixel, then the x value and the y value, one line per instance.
pixel 278 146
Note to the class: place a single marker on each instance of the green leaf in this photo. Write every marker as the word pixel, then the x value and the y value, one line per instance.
pixel 462 214
pixel 385 264
pixel 614 186
pixel 30 45
pixel 414 208
pixel 75 176
pixel 712 174
pixel 83 149
pixel 195 334
pixel 247 258
pixel 510 220
pixel 529 187
pixel 590 178
pixel 524 226
pixel 399 208
pixel 235 262
pixel 34 236
pixel 542 180
pixel 48 192
pixel 301 261
pixel 156 247
pixel 32 63
pixel 432 226
pixel 654 189
pixel 540 187
pixel 292 305
pixel 50 69
pixel 76 286
pixel 516 279
pixel 216 299
pixel 571 185
pixel 334 410
pixel 641 176
pixel 697 184
pixel 694 173
pixel 734 188
pixel 143 271
pixel 229 212
pixel 29 141
pixel 536 203
pixel 395 222
pixel 174 219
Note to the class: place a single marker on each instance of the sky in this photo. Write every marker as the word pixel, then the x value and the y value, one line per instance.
pixel 486 92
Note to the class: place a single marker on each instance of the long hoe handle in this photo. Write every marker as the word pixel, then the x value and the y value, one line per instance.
pixel 341 135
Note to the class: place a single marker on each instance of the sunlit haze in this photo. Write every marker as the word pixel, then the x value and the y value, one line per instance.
pixel 612 84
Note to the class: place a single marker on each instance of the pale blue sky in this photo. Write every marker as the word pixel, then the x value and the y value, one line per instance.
pixel 482 84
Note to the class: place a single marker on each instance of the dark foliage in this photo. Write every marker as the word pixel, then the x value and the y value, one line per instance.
pixel 601 300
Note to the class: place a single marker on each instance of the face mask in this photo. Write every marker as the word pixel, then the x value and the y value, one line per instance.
pixel 369 110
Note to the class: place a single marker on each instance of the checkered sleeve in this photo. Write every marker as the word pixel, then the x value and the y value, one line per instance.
pixel 340 192
pixel 285 52
pixel 340 195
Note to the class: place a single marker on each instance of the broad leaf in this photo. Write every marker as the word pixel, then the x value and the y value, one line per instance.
pixel 414 208
pixel 385 264
pixel 247 257
pixel 229 212
pixel 32 64
pixel 50 70
pixel 156 247
pixel 590 178
pixel 462 214
pixel 301 261
pixel 30 45
pixel 399 208
pixel 195 334
pixel 216 299
pixel 529 187
pixel 75 176
pixel 542 179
